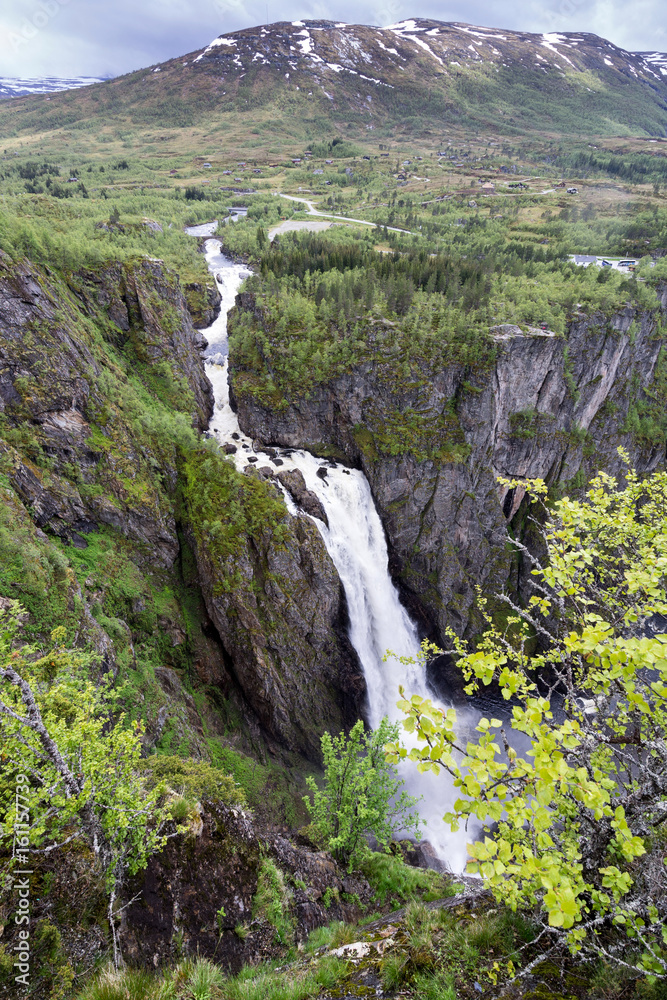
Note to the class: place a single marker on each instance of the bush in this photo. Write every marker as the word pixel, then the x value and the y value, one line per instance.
pixel 194 779
pixel 580 843
pixel 360 794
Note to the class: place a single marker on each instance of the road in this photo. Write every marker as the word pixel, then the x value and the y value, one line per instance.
pixel 343 218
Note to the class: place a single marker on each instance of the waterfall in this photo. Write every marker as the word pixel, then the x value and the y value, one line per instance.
pixel 356 542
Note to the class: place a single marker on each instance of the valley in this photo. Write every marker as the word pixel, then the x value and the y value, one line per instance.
pixel 289 329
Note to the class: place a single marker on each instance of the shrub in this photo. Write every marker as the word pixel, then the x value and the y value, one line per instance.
pixel 580 843
pixel 194 779
pixel 360 795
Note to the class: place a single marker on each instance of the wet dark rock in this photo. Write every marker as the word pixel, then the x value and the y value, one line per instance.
pixel 421 854
pixel 284 626
pixel 215 867
pixel 322 472
pixel 230 449
pixel 203 303
pixel 295 485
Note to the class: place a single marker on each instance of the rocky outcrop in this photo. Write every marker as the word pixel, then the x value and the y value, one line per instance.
pixel 550 407
pixel 99 379
pixel 147 310
pixel 197 895
pixel 295 485
pixel 78 462
pixel 283 623
pixel 203 303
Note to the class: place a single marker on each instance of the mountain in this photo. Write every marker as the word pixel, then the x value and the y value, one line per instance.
pixel 19 87
pixel 423 77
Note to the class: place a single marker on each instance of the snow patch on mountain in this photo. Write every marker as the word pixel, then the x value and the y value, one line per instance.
pixel 11 86
pixel 549 41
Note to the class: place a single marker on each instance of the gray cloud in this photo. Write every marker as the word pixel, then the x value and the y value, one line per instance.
pixel 98 38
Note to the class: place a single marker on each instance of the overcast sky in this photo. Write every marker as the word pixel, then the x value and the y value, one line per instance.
pixel 109 37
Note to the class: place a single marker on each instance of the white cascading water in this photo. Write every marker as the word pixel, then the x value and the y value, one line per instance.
pixel 356 543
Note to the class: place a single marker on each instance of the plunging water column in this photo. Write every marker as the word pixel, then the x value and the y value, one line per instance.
pixel 356 543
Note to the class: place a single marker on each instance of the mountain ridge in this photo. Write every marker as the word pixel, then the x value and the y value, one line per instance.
pixel 409 30
pixel 302 79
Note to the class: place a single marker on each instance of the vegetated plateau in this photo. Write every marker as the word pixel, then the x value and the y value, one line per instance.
pixel 184 637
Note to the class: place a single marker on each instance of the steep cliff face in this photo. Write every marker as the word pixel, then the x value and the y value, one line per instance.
pixel 102 392
pixel 278 605
pixel 550 407
pixel 65 404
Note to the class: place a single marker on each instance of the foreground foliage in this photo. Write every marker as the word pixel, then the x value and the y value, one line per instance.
pixel 579 814
pixel 69 772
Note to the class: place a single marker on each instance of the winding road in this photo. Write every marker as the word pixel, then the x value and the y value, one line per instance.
pixel 343 218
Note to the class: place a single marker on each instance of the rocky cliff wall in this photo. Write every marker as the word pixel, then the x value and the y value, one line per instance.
pixel 278 605
pixel 434 444
pixel 102 393
pixel 78 465
pixel 198 896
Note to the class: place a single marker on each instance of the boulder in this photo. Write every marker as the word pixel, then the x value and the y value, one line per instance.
pixel 295 485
